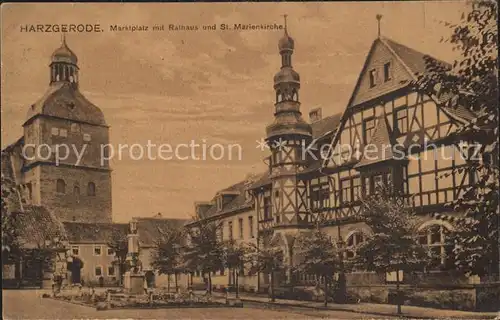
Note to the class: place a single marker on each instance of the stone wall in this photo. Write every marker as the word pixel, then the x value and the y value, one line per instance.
pixel 69 206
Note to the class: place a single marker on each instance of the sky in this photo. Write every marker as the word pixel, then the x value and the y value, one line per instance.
pixel 211 87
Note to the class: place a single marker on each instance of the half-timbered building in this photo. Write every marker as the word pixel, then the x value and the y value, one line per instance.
pixel 389 134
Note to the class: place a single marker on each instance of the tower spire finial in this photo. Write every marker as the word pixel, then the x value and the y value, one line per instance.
pixel 63 38
pixel 379 17
pixel 286 28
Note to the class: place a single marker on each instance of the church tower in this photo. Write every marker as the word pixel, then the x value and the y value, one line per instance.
pixel 64 139
pixel 287 136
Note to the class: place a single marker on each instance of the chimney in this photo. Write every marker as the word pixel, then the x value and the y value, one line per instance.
pixel 315 115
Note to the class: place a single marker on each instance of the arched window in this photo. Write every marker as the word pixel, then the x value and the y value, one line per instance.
pixel 91 189
pixel 295 96
pixel 353 241
pixel 60 186
pixel 279 96
pixel 437 238
pixel 76 190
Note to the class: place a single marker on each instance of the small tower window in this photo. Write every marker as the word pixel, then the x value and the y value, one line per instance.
pixel 60 186
pixel 295 96
pixel 76 190
pixel 91 189
pixel 279 96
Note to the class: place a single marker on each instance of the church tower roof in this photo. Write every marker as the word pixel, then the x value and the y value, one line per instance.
pixel 288 118
pixel 63 98
pixel 64 53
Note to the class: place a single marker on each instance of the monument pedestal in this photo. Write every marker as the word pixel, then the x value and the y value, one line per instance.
pixel 133 283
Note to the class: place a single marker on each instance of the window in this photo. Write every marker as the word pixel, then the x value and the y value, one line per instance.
pixel 86 137
pixel 250 223
pixel 387 71
pixel 60 186
pixel 110 252
pixel 55 131
pixel 375 182
pixel 97 250
pixel 401 120
pixel 320 195
pixel 221 271
pixel 267 208
pixel 75 127
pixel 76 190
pixel 356 189
pixel 373 78
pixel 345 188
pixel 91 189
pixel 111 270
pixel 353 241
pixel 75 250
pixel 98 271
pixel 240 228
pixel 63 132
pixel 368 128
pixel 436 238
pixel 230 226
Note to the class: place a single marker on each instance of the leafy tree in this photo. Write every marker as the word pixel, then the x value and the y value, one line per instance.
pixel 393 245
pixel 204 251
pixel 236 255
pixel 472 83
pixel 268 261
pixel 10 234
pixel 320 256
pixel 167 257
pixel 118 243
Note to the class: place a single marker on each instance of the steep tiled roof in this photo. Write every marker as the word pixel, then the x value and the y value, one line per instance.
pixel 326 125
pixel 64 101
pixel 37 224
pixel 150 229
pixel 81 232
pixel 413 59
pixel 238 202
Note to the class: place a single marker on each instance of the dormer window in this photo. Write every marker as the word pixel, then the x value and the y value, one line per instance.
pixel 75 127
pixel 373 78
pixel 219 203
pixel 86 137
pixel 387 72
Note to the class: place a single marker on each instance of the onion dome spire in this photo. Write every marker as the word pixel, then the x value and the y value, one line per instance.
pixel 288 119
pixel 63 66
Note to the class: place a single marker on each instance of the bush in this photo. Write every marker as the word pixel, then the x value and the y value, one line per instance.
pixel 441 299
pixel 101 306
pixel 488 300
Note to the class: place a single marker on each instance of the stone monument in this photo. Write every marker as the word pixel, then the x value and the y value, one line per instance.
pixel 133 280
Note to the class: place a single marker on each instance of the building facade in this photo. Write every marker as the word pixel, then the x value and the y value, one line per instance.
pixel 61 178
pixel 318 170
pixel 75 186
